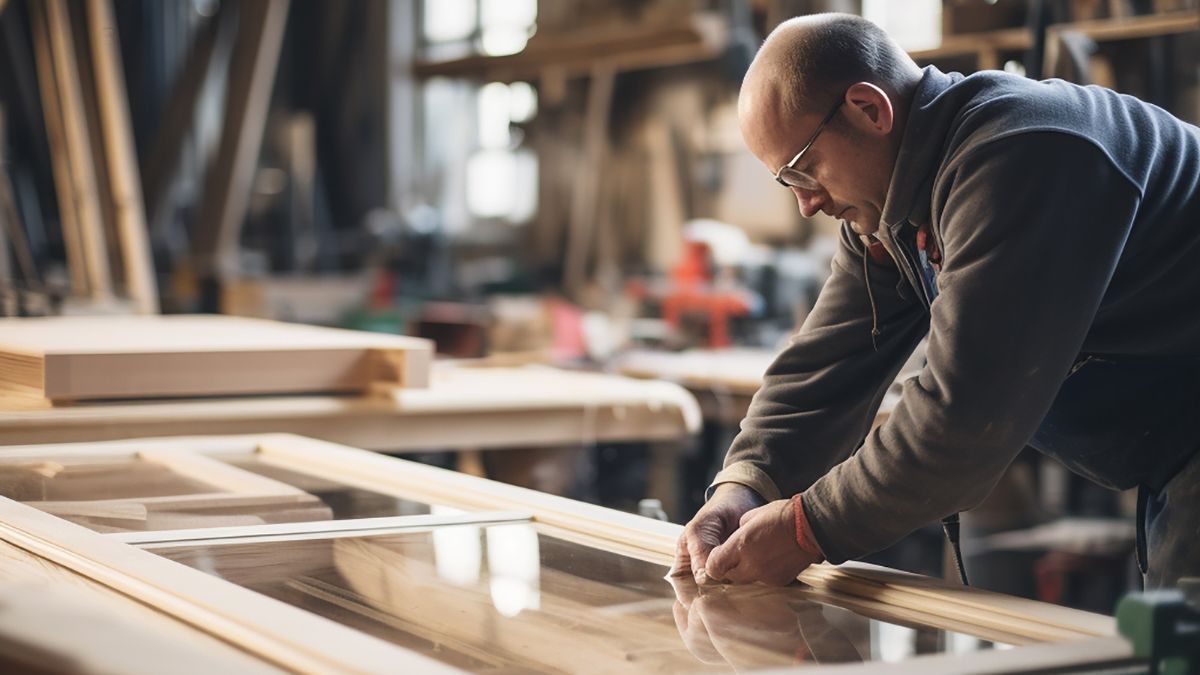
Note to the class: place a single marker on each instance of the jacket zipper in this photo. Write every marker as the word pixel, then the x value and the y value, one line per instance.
pixel 910 269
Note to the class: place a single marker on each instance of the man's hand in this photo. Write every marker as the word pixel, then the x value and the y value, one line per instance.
pixel 764 548
pixel 713 524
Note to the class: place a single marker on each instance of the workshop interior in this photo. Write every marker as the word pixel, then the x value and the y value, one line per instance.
pixel 409 335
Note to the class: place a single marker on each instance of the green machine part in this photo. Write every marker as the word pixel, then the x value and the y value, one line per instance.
pixel 1164 628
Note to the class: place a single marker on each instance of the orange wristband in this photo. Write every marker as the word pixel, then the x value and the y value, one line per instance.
pixel 804 536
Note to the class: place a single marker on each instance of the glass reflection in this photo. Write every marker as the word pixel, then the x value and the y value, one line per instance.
pixel 123 493
pixel 514 565
pixel 457 551
pixel 346 501
pixel 756 626
pixel 515 600
pixel 73 479
pixel 891 642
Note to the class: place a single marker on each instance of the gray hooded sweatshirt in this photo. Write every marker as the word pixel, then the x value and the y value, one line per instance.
pixel 1068 221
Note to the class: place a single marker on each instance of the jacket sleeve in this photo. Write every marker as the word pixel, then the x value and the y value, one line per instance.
pixel 1032 229
pixel 820 395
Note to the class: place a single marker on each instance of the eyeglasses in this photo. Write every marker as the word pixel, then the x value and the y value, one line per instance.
pixel 789 176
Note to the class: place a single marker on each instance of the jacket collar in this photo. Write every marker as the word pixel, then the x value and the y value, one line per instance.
pixel 929 120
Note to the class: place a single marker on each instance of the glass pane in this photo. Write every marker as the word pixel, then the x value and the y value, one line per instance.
pixel 345 501
pixel 50 480
pixel 123 493
pixel 505 598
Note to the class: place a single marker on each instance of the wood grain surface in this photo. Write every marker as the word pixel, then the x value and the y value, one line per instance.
pixel 101 357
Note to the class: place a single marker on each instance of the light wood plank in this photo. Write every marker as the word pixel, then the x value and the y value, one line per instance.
pixel 585 193
pixel 489 408
pixel 179 113
pixel 208 470
pixel 176 646
pixel 85 357
pixel 694 39
pixel 84 184
pixel 60 160
pixel 227 186
pixel 126 184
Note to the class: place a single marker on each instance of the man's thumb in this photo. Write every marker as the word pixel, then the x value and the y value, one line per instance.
pixel 720 561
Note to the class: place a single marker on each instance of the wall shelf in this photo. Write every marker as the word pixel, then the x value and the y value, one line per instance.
pixel 569 55
pixel 988 46
pixel 1133 27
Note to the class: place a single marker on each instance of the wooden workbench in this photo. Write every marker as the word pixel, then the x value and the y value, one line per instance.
pixel 725 380
pixel 464 407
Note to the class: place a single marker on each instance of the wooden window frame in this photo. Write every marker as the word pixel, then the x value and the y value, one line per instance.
pixel 298 640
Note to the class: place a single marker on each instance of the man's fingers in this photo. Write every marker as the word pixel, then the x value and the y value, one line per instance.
pixel 698 553
pixel 722 560
pixel 740 573
pixel 751 515
pixel 701 539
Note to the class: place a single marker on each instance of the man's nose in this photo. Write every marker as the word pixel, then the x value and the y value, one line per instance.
pixel 809 202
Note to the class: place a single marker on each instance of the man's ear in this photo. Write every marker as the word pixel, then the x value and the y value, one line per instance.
pixel 870 107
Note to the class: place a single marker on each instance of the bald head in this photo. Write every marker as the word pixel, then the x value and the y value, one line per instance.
pixel 807 62
pixel 841 79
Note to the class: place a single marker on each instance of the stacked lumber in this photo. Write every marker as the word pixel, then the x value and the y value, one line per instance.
pixel 88 358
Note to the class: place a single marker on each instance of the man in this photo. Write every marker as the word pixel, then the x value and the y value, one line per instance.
pixel 1045 236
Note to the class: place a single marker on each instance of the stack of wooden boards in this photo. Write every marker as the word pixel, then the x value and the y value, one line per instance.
pixel 90 358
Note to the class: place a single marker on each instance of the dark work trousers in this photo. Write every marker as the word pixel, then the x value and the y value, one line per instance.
pixel 1133 423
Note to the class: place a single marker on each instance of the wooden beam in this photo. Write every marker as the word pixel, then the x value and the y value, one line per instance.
pixel 79 358
pixel 108 633
pixel 699 38
pixel 24 110
pixel 60 160
pixel 984 45
pixel 218 474
pixel 6 272
pixel 162 162
pixel 126 188
pixel 1134 27
pixel 1115 29
pixel 12 234
pixel 77 21
pixel 85 187
pixel 227 188
pixel 589 170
